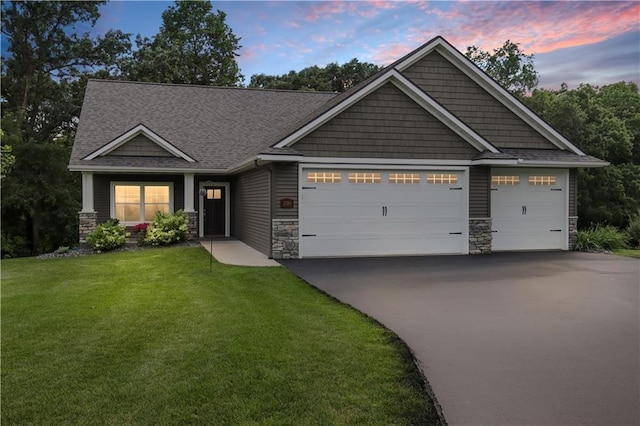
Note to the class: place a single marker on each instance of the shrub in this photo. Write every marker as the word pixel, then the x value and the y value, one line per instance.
pixel 633 231
pixel 140 231
pixel 167 228
pixel 107 236
pixel 600 237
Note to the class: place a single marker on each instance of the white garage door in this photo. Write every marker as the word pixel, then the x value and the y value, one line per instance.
pixel 529 209
pixel 382 212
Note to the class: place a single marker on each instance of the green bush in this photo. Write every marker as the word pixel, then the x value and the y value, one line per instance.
pixel 167 228
pixel 107 236
pixel 633 231
pixel 600 238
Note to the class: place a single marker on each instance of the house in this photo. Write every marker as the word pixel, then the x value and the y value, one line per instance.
pixel 428 156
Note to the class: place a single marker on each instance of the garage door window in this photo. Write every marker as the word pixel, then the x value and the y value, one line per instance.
pixel 442 178
pixel 404 178
pixel 542 180
pixel 505 180
pixel 324 177
pixel 364 177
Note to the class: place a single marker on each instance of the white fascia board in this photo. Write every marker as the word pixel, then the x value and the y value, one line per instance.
pixel 164 170
pixel 564 164
pixel 363 161
pixel 126 137
pixel 495 162
pixel 441 113
pixel 502 95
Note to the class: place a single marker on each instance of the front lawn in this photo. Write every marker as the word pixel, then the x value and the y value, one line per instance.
pixel 153 337
pixel 635 253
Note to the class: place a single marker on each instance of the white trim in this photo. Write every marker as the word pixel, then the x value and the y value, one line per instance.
pixel 425 101
pixel 392 162
pixel 140 129
pixel 141 184
pixel 87 193
pixel 162 170
pixel 227 207
pixel 189 188
pixel 457 168
pixel 495 162
pixel 503 96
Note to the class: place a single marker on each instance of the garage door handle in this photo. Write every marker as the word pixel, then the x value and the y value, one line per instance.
pixel 556 189
pixel 455 233
pixel 308 187
pixel 555 230
pixel 308 235
pixel 494 231
pixel 455 189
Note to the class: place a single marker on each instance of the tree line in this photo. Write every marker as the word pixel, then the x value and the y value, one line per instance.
pixel 49 60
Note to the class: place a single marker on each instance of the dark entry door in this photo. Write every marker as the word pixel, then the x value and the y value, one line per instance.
pixel 214 211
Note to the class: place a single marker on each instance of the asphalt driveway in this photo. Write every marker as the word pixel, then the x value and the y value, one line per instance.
pixel 546 338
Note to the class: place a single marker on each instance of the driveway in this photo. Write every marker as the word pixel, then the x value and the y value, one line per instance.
pixel 545 338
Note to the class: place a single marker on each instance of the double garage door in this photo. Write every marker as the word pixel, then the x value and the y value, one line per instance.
pixel 358 212
pixel 529 209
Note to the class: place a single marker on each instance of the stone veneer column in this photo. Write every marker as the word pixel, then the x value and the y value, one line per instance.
pixel 573 231
pixel 192 225
pixel 480 235
pixel 88 223
pixel 284 239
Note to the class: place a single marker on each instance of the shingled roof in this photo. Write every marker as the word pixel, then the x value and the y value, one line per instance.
pixel 217 126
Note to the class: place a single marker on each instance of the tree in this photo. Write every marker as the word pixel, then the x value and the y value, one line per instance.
pixel 43 80
pixel 508 65
pixel 194 46
pixel 332 78
pixel 603 122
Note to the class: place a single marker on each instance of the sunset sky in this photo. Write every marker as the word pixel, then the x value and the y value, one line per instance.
pixel 573 41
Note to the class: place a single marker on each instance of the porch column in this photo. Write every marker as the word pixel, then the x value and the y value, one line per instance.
pixel 192 214
pixel 87 192
pixel 88 217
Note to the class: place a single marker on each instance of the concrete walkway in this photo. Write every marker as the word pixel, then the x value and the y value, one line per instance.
pixel 234 252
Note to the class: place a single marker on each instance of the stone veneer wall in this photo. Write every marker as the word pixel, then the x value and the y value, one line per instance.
pixel 284 239
pixel 88 223
pixel 480 235
pixel 192 225
pixel 573 231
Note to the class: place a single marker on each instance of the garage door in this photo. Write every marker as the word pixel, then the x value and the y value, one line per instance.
pixel 529 209
pixel 382 212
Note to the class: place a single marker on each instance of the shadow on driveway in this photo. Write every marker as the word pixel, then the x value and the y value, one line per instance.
pixel 544 338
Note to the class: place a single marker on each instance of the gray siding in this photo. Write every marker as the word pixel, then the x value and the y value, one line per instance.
pixel 472 104
pixel 286 186
pixel 102 190
pixel 573 192
pixel 141 146
pixel 479 191
pixel 252 215
pixel 385 124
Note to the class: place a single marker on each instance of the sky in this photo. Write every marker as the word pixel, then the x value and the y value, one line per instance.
pixel 595 42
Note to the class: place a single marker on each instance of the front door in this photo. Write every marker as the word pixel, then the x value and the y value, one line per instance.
pixel 214 211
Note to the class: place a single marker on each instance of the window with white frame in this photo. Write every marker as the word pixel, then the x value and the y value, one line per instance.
pixel 542 180
pixel 364 177
pixel 505 180
pixel 139 202
pixel 442 178
pixel 404 178
pixel 324 177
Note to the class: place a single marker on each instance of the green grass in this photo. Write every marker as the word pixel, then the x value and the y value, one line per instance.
pixel 152 337
pixel 635 253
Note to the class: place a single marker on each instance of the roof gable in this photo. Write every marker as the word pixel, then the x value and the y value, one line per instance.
pixel 466 66
pixel 133 135
pixel 408 88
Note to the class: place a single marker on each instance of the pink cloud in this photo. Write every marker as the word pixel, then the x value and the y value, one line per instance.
pixel 365 9
pixel 388 53
pixel 538 26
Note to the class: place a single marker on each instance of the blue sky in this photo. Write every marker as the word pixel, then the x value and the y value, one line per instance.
pixel 573 41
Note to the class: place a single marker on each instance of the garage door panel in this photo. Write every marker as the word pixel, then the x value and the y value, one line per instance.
pixel 384 218
pixel 529 209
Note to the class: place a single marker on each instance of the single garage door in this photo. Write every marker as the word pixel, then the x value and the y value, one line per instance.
pixel 355 212
pixel 529 209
